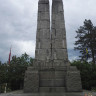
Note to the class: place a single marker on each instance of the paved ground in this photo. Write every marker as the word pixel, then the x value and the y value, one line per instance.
pixel 20 93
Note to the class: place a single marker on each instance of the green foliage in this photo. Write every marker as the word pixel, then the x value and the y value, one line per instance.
pixel 93 89
pixel 86 38
pixel 88 73
pixel 3 76
pixel 13 74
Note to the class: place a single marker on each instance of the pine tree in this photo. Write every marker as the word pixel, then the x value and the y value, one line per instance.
pixel 86 38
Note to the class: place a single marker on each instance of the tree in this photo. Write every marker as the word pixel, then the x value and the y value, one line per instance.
pixel 86 38
pixel 16 71
pixel 88 74
pixel 13 73
pixel 3 76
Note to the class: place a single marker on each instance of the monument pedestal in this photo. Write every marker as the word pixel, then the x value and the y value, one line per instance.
pixel 52 79
pixel 31 81
pixel 73 80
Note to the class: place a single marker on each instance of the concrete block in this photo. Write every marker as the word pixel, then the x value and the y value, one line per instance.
pixel 59 54
pixel 43 24
pixel 57 6
pixel 59 24
pixel 43 16
pixel 43 7
pixel 43 1
pixel 43 34
pixel 43 44
pixel 42 54
pixel 31 81
pixel 58 34
pixel 58 16
pixel 60 74
pixel 73 81
pixel 59 44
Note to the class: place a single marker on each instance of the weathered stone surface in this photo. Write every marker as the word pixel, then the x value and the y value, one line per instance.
pixel 31 81
pixel 43 6
pixel 52 78
pixel 73 80
pixel 52 89
pixel 51 71
pixel 59 54
pixel 42 54
pixel 59 46
pixel 43 15
pixel 58 33
pixel 44 24
pixel 43 42
pixel 43 34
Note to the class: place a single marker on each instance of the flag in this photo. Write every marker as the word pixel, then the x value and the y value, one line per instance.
pixel 86 53
pixel 9 55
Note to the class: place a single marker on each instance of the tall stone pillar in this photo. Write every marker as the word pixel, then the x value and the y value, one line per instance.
pixel 43 31
pixel 51 71
pixel 72 78
pixel 58 36
pixel 42 51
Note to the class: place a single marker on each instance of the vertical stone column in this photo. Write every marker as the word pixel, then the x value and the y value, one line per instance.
pixel 59 47
pixel 43 31
pixel 31 81
pixel 73 80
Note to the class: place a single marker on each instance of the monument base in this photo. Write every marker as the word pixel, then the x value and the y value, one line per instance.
pixel 73 80
pixel 52 79
pixel 31 81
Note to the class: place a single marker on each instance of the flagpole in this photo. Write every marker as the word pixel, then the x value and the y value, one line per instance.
pixel 10 55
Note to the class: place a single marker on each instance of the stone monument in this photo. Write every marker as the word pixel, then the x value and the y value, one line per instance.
pixel 51 70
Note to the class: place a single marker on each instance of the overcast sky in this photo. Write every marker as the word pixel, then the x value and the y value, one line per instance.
pixel 18 22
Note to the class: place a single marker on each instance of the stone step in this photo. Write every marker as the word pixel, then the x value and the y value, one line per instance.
pixel 52 89
pixel 62 68
pixel 52 82
pixel 52 74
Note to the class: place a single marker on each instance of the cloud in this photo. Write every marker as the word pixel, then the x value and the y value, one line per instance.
pixel 19 47
pixel 73 55
pixel 18 23
pixel 76 11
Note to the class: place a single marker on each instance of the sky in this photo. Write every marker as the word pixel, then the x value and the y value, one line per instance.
pixel 18 23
